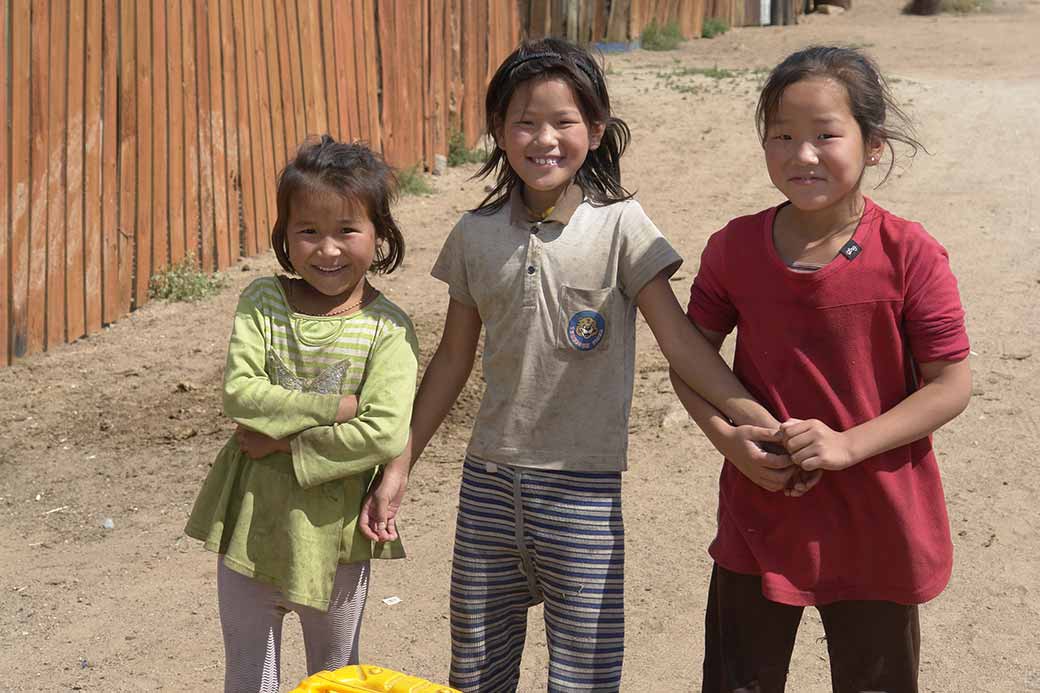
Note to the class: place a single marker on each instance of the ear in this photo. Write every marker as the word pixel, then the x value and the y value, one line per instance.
pixel 875 148
pixel 596 135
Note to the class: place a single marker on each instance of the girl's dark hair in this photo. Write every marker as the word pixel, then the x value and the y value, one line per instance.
pixel 870 100
pixel 552 58
pixel 354 171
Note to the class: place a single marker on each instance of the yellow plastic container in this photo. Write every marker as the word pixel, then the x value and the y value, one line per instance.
pixel 364 679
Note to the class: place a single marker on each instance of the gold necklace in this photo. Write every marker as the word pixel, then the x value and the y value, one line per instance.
pixel 344 309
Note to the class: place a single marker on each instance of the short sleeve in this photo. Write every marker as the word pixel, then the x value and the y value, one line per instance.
pixel 450 266
pixel 644 251
pixel 710 306
pixel 932 312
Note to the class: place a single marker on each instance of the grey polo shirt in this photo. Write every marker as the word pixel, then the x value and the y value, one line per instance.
pixel 557 299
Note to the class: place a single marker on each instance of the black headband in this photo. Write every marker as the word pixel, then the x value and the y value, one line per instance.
pixel 552 54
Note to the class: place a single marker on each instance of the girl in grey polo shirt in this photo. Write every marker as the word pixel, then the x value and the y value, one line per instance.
pixel 552 264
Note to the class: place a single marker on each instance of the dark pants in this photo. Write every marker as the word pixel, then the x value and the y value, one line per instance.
pixel 873 645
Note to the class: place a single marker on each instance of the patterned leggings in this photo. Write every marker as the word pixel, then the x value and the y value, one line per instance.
pixel 251 614
pixel 526 536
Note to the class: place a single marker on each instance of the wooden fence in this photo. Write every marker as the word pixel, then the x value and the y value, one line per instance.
pixel 623 21
pixel 137 132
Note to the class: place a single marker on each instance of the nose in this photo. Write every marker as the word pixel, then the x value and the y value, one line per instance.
pixel 329 246
pixel 546 135
pixel 806 153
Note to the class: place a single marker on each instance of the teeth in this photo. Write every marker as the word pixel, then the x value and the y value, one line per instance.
pixel 546 162
pixel 328 269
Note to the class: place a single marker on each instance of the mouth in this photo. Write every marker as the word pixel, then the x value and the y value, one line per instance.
pixel 805 180
pixel 549 161
pixel 329 270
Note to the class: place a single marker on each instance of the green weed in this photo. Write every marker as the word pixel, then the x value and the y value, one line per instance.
pixel 459 153
pixel 714 27
pixel 966 6
pixel 411 181
pixel 661 38
pixel 184 281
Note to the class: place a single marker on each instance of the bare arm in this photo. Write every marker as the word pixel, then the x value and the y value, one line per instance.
pixel 695 360
pixel 442 382
pixel 945 394
pixel 739 444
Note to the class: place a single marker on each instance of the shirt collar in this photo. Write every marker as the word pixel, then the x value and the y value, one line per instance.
pixel 561 212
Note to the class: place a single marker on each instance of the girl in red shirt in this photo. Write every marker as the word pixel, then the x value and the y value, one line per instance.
pixel 851 331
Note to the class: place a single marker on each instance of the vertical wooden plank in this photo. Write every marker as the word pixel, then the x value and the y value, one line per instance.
pixel 280 145
pixel 93 256
pixel 229 68
pixel 346 82
pixel 23 135
pixel 75 304
pixel 281 85
pixel 110 30
pixel 617 22
pixel 222 220
pixel 541 18
pixel 243 131
pixel 127 173
pixel 190 111
pixel 5 182
pixel 456 87
pixel 143 230
pixel 206 205
pixel 160 224
pixel 437 89
pixel 296 80
pixel 310 35
pixel 38 171
pixel 174 172
pixel 268 171
pixel 59 38
pixel 392 80
pixel 370 64
pixel 472 70
pixel 259 172
pixel 361 72
pixel 328 70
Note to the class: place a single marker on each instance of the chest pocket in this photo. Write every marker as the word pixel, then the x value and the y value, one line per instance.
pixel 587 319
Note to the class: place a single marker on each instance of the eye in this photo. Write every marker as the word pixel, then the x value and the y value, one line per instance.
pixel 349 229
pixel 825 136
pixel 306 230
pixel 780 137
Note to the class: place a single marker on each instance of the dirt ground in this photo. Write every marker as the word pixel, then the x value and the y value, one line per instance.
pixel 122 426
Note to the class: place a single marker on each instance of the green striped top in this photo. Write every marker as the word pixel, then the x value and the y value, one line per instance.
pixel 291 519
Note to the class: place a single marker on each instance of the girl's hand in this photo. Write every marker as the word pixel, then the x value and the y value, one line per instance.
pixel 257 445
pixel 814 446
pixel 347 408
pixel 745 448
pixel 378 519
pixel 802 482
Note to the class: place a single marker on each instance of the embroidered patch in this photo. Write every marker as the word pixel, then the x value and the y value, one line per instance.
pixel 586 329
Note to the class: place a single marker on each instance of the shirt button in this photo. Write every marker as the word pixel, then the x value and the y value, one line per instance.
pixel 530 269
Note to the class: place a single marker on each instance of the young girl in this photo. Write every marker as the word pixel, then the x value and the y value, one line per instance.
pixel 850 328
pixel 552 264
pixel 320 377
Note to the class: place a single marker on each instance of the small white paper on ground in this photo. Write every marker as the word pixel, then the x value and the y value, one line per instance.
pixel 390 601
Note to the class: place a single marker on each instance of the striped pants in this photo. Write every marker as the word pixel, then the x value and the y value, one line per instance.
pixel 526 536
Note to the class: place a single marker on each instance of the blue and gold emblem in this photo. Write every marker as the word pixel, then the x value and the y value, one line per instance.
pixel 585 330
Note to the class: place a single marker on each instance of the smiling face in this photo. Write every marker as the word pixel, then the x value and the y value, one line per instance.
pixel 546 138
pixel 815 151
pixel 330 241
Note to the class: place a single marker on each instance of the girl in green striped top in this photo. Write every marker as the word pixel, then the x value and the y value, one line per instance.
pixel 320 378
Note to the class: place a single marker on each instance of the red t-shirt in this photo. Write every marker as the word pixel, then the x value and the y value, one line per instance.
pixel 833 345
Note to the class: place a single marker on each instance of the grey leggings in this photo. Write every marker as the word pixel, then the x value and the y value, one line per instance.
pixel 251 614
